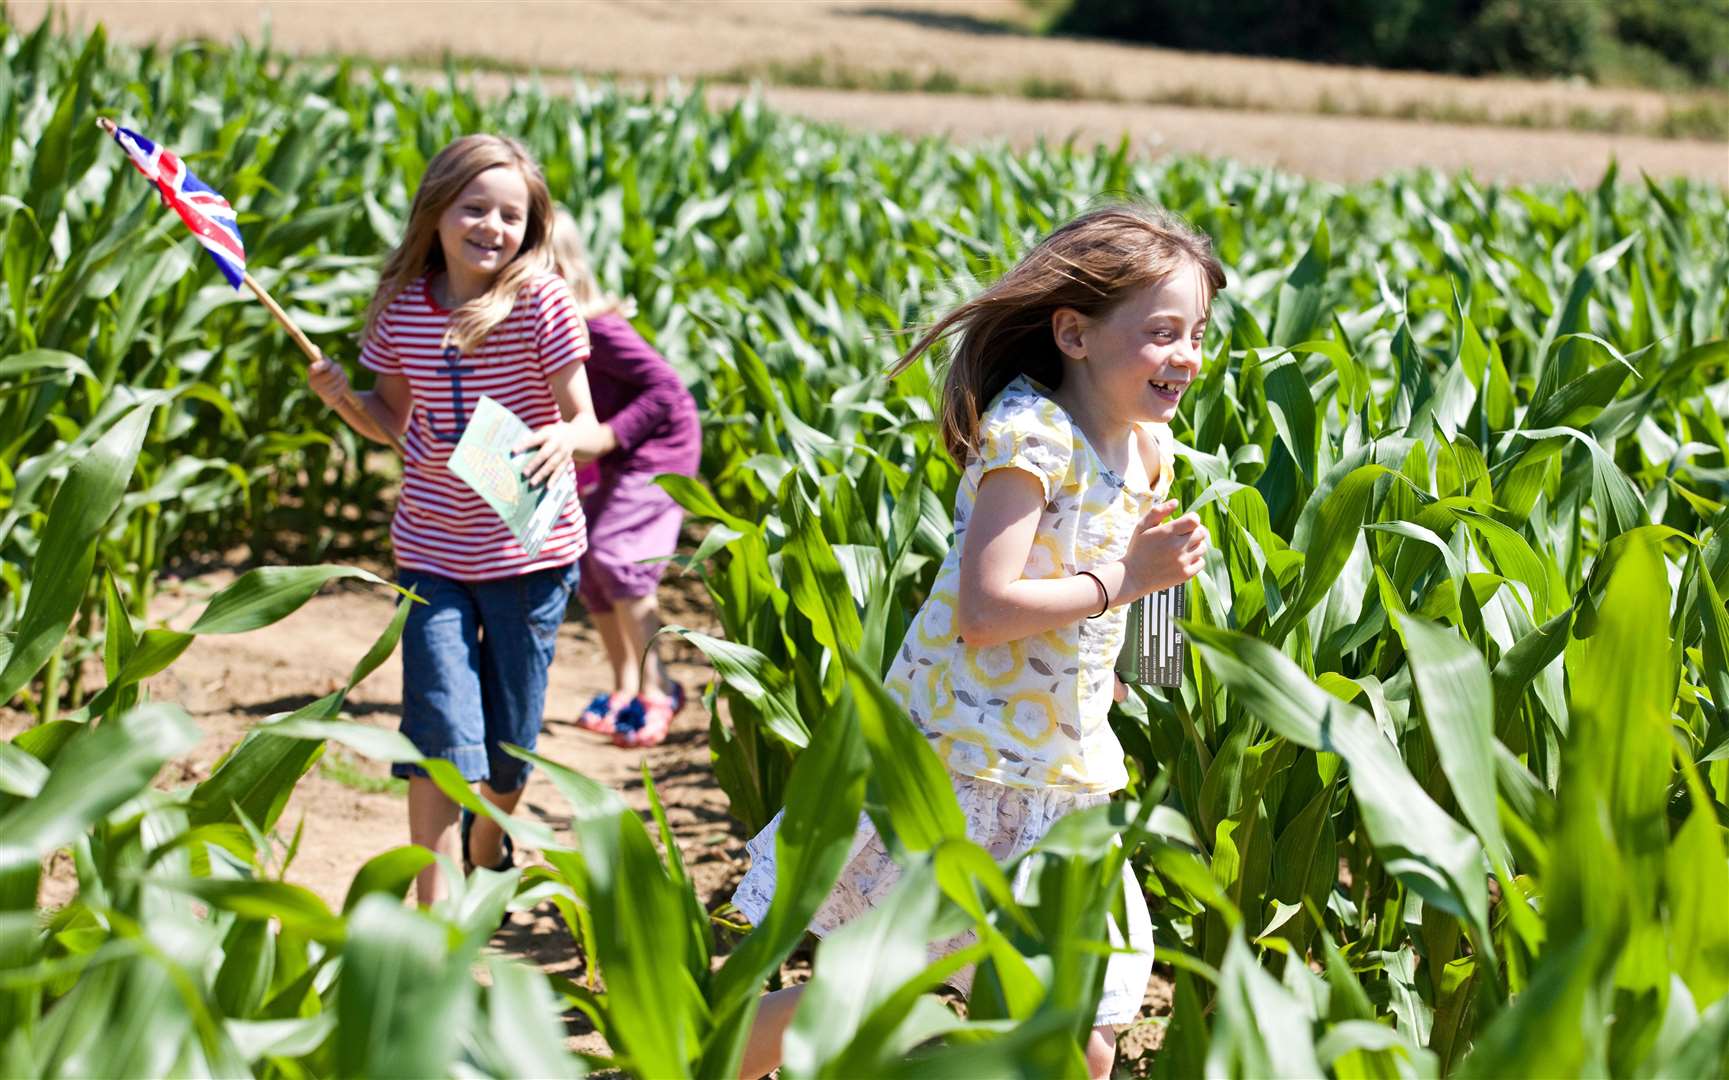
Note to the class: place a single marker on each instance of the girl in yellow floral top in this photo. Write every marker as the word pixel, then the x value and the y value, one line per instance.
pixel 1057 403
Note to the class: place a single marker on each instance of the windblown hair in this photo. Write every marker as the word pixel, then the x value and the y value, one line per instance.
pixel 570 259
pixel 1088 265
pixel 420 252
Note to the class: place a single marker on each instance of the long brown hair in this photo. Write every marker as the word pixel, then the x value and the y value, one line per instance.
pixel 451 170
pixel 1088 264
pixel 570 260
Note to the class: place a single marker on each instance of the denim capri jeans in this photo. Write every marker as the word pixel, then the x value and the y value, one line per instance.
pixel 474 665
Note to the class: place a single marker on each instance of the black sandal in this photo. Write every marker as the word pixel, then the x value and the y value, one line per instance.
pixel 505 863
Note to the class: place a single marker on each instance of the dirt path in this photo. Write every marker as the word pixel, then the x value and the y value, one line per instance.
pixel 348 807
pixel 1293 115
pixel 228 684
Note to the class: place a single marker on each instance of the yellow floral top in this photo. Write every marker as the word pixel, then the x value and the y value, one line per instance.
pixel 1032 712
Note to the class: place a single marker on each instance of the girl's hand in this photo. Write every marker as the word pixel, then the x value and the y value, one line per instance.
pixel 327 381
pixel 1120 692
pixel 1163 553
pixel 553 446
pixel 593 439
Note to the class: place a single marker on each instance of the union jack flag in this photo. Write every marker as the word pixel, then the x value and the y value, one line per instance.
pixel 205 211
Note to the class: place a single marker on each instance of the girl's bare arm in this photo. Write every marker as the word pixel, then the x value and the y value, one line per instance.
pixel 997 604
pixel 383 411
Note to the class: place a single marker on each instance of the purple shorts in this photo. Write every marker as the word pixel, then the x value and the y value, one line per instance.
pixel 630 518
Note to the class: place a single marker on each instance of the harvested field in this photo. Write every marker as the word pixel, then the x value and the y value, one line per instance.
pixel 1231 106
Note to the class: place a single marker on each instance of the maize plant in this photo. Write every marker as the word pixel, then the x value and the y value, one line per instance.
pixel 1443 792
pixel 183 949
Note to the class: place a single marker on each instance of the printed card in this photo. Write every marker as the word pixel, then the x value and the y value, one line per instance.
pixel 483 460
pixel 1153 645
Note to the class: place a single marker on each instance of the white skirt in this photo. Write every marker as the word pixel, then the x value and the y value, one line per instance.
pixel 1005 821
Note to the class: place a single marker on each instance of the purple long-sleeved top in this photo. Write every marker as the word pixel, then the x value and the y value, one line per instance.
pixel 639 394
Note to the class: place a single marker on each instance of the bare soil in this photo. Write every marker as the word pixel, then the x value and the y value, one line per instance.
pixel 1320 120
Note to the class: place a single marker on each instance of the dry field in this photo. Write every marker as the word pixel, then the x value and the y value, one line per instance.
pixel 1293 115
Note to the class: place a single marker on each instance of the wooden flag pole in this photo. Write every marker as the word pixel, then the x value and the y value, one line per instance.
pixel 313 355
pixel 300 339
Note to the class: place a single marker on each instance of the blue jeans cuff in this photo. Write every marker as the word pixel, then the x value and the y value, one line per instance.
pixel 470 761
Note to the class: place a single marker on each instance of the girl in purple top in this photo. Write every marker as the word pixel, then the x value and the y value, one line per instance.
pixel 648 427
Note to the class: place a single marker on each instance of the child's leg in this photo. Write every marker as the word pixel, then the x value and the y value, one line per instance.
pixel 441 709
pixel 639 621
pixel 595 596
pixel 485 838
pixel 1101 1051
pixel 521 617
pixel 762 1046
pixel 618 654
pixel 633 520
pixel 431 824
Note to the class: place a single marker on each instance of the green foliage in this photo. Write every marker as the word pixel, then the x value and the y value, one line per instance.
pixel 1648 41
pixel 183 949
pixel 1443 792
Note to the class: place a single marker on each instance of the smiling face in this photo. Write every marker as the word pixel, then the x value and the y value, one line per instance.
pixel 1133 362
pixel 482 230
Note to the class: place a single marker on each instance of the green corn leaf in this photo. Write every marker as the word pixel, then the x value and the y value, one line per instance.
pixel 526 1038
pixel 21 775
pixel 1696 878
pixel 265 595
pixel 96 771
pixel 294 907
pixel 45 360
pixel 1338 511
pixel 1457 707
pixel 913 783
pixel 1422 845
pixel 1539 1034
pixel 1293 412
pixel 83 505
pixel 119 637
pixel 1569 318
pixel 404 998
pixel 756 678
pixel 248 963
pixel 815 580
pixel 255 1040
pixel 638 913
pixel 390 873
pixel 1520 665
pixel 823 801
pixel 1258 1028
pixel 1300 297
pixel 858 967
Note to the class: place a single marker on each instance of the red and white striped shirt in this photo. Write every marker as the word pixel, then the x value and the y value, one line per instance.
pixel 441 525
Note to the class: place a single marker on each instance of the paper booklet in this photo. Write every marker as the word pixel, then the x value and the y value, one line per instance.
pixel 1153 645
pixel 483 460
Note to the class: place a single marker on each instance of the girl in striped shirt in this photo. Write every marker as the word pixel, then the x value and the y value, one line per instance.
pixel 468 305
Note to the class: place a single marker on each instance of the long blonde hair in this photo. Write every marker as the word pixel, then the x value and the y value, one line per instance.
pixel 1088 264
pixel 570 260
pixel 420 253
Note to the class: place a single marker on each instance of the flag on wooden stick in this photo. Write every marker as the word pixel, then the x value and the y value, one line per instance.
pixel 212 221
pixel 199 205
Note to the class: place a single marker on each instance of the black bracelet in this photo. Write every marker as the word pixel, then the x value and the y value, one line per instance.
pixel 1104 594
